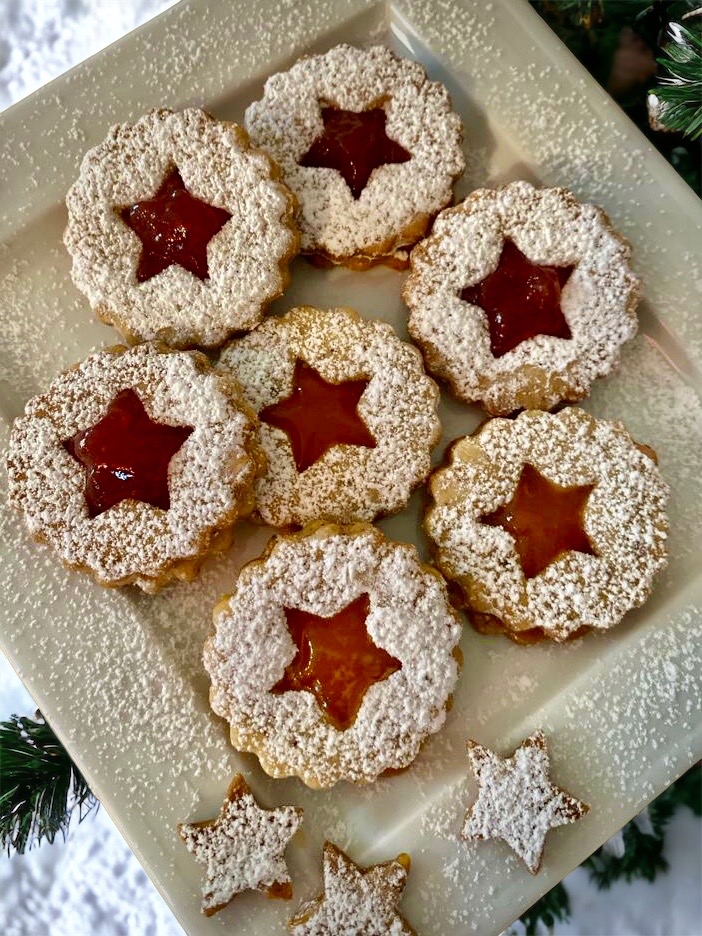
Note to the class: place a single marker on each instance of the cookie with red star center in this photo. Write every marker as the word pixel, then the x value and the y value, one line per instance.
pixel 179 230
pixel 335 656
pixel 355 900
pixel 549 525
pixel 517 802
pixel 348 415
pixel 243 848
pixel 521 297
pixel 369 146
pixel 135 464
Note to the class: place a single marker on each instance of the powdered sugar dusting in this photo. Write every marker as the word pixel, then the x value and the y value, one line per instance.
pixel 398 406
pixel 399 199
pixel 624 519
pixel 551 229
pixel 247 259
pixel 321 571
pixel 210 476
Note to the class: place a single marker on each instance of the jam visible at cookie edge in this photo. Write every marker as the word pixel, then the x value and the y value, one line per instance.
pixel 354 143
pixel 336 660
pixel 545 520
pixel 174 228
pixel 521 300
pixel 318 415
pixel 126 455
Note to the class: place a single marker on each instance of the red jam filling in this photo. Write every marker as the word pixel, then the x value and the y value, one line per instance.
pixel 354 143
pixel 521 300
pixel 174 227
pixel 126 455
pixel 336 660
pixel 545 520
pixel 318 415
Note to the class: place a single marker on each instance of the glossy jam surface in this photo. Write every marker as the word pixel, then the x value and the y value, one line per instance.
pixel 126 455
pixel 545 520
pixel 318 415
pixel 336 660
pixel 521 300
pixel 354 143
pixel 174 228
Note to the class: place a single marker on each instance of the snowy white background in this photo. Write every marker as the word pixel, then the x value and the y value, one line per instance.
pixel 92 885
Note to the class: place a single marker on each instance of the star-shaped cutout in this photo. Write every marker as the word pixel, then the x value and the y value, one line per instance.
pixel 354 143
pixel 355 900
pixel 545 520
pixel 242 848
pixel 174 227
pixel 126 455
pixel 336 660
pixel 516 800
pixel 521 300
pixel 318 415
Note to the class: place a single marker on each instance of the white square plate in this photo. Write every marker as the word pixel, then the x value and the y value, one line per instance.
pixel 118 674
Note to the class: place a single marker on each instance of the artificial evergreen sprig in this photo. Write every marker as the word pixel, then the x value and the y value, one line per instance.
pixel 680 89
pixel 41 786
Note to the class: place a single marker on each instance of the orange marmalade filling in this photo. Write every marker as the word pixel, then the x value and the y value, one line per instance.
pixel 174 228
pixel 318 415
pixel 126 455
pixel 336 660
pixel 545 520
pixel 354 143
pixel 521 300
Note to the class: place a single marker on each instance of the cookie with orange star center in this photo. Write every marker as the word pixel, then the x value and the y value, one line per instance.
pixel 243 848
pixel 348 415
pixel 521 297
pixel 517 802
pixel 179 229
pixel 135 464
pixel 355 900
pixel 549 525
pixel 335 656
pixel 369 146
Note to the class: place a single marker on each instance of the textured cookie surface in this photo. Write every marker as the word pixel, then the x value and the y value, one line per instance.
pixel 550 228
pixel 399 200
pixel 247 259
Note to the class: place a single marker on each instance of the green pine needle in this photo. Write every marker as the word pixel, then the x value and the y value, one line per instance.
pixel 553 907
pixel 680 89
pixel 41 786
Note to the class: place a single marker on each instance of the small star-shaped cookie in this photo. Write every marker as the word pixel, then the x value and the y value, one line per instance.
pixel 318 415
pixel 336 660
pixel 174 227
pixel 354 143
pixel 521 300
pixel 517 801
pixel 545 520
pixel 356 901
pixel 243 848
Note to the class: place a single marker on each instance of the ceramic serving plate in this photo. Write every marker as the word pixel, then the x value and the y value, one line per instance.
pixel 118 674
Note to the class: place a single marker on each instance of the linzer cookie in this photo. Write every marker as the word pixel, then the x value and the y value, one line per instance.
pixel 135 464
pixel 243 848
pixel 348 415
pixel 549 524
pixel 521 297
pixel 334 657
pixel 355 900
pixel 370 147
pixel 179 230
pixel 517 802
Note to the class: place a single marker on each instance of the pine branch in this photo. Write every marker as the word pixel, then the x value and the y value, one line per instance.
pixel 41 786
pixel 553 907
pixel 680 90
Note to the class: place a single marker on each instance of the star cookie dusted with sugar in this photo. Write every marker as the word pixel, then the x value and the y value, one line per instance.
pixel 243 848
pixel 355 900
pixel 517 801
